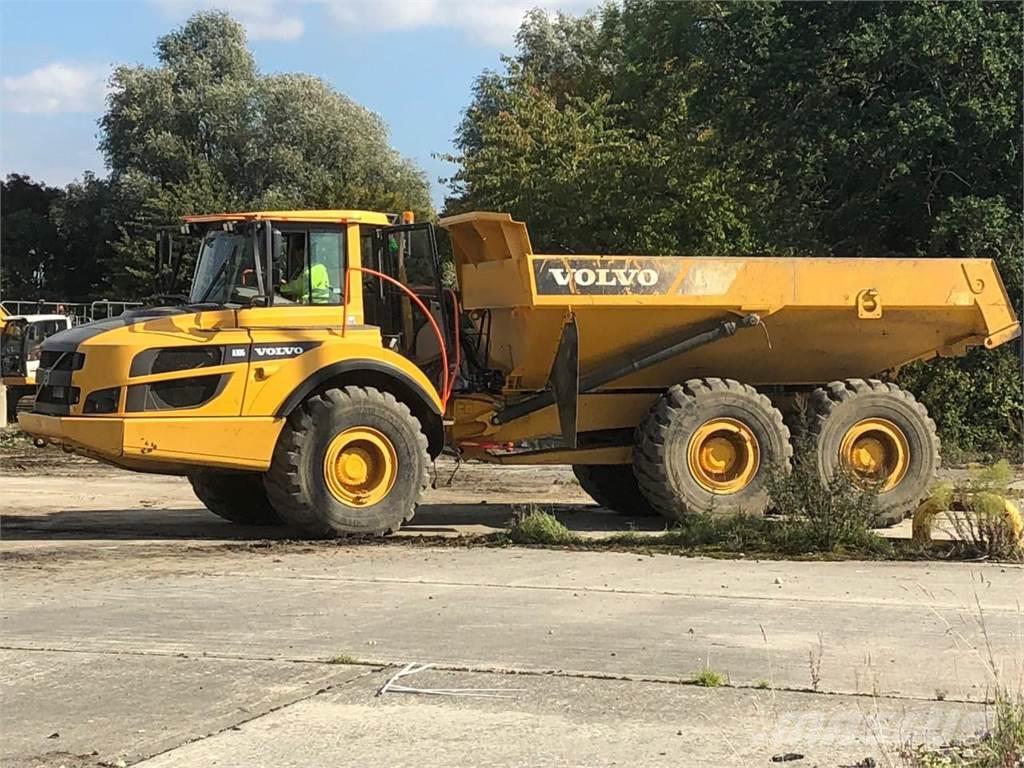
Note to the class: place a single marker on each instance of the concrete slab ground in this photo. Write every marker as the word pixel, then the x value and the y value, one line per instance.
pixel 104 708
pixel 120 634
pixel 570 722
pixel 140 629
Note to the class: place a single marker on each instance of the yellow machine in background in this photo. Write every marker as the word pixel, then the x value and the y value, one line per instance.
pixel 305 383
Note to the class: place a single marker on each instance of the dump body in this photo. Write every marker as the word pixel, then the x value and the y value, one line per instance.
pixel 822 318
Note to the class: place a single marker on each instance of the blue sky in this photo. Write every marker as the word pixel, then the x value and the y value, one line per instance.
pixel 411 61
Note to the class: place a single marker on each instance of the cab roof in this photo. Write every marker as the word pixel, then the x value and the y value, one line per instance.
pixel 333 216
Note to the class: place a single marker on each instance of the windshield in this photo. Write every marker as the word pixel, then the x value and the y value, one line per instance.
pixel 225 271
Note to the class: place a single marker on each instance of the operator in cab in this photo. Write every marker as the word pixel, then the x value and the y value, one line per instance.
pixel 308 284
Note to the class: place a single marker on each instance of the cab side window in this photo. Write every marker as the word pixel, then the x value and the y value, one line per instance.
pixel 326 264
pixel 311 267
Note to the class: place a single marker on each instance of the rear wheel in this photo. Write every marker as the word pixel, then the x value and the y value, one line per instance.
pixel 710 445
pixel 614 487
pixel 881 436
pixel 350 460
pixel 235 496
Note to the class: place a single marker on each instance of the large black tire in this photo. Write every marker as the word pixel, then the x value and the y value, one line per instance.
pixel 296 481
pixel 660 458
pixel 841 404
pixel 235 496
pixel 614 487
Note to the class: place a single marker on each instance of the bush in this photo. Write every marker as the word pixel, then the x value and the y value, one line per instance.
pixel 976 401
pixel 539 527
pixel 823 516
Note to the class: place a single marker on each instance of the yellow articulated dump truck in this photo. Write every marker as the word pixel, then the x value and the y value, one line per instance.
pixel 307 382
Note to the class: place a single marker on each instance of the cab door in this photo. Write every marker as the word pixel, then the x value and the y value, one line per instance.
pixel 407 254
pixel 298 332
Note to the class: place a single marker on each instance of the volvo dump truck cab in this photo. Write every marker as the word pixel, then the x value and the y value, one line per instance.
pixel 306 382
pixel 286 388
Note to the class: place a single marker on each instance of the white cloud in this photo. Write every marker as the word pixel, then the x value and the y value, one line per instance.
pixel 492 22
pixel 262 19
pixel 488 22
pixel 56 87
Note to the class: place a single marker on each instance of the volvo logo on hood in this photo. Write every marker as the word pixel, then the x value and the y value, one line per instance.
pixel 282 351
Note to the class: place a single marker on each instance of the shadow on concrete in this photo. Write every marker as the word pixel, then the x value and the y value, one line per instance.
pixel 199 524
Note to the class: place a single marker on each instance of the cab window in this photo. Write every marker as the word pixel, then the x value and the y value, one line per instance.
pixel 311 267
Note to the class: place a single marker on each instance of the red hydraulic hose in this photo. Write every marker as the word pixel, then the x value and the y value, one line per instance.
pixel 445 386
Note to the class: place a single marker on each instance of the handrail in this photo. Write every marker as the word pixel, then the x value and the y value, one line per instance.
pixel 456 322
pixel 445 388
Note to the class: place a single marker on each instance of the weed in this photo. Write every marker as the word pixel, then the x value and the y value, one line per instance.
pixel 539 527
pixel 814 661
pixel 709 678
pixel 763 685
pixel 1002 745
pixel 342 658
pixel 819 515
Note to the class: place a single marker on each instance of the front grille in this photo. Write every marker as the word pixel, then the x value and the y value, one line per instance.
pixel 61 361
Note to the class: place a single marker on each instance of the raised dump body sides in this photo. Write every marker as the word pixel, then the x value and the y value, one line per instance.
pixel 823 318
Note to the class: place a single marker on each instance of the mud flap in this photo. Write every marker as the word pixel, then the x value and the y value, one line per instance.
pixel 565 381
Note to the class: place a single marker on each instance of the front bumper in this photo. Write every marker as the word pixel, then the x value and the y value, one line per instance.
pixel 170 445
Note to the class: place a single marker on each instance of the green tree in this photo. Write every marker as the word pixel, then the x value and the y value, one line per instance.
pixel 204 131
pixel 28 240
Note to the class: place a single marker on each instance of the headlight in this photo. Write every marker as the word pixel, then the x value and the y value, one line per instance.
pixel 102 401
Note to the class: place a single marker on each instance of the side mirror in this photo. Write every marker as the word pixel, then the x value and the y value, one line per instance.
pixel 277 244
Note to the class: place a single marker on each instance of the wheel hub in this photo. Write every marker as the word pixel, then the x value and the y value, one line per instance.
pixel 360 466
pixel 875 451
pixel 723 455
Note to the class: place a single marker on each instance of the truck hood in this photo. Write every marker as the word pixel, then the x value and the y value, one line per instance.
pixel 69 340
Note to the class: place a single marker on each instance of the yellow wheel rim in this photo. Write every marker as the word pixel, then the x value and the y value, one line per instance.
pixel 875 451
pixel 723 456
pixel 360 466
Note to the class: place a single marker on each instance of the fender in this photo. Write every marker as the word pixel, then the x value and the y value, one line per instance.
pixel 423 406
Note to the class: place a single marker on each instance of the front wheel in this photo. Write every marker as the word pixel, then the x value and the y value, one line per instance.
pixel 348 461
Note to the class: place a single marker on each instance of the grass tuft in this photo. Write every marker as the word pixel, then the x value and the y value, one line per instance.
pixel 539 527
pixel 342 658
pixel 709 678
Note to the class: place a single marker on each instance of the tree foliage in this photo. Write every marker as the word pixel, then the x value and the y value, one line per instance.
pixel 204 130
pixel 826 129
pixel 28 238
pixel 201 131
